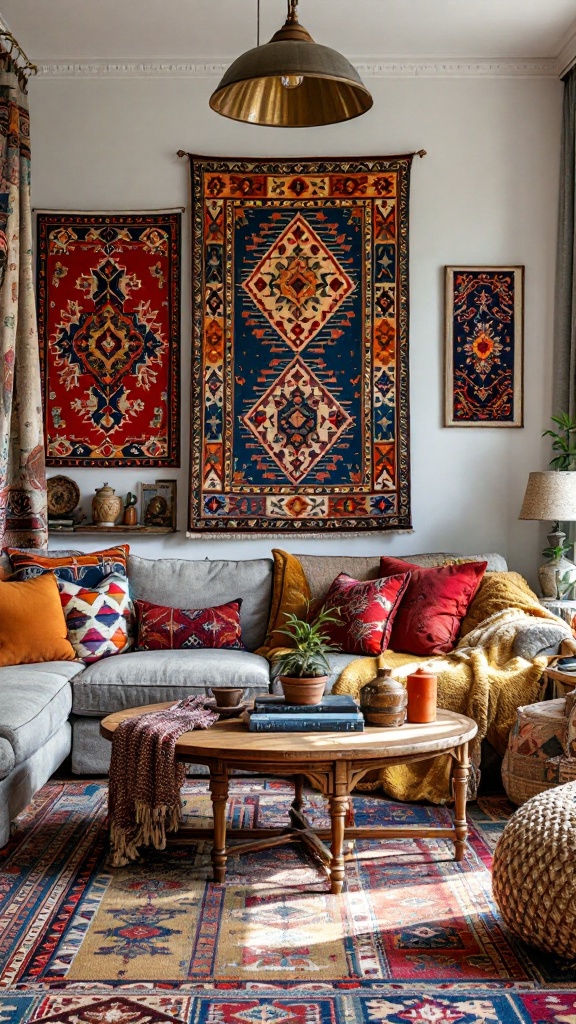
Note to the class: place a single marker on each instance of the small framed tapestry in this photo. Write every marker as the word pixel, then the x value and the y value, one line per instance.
pixel 300 358
pixel 109 327
pixel 484 346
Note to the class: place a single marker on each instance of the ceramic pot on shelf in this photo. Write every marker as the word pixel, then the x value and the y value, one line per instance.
pixel 303 691
pixel 106 506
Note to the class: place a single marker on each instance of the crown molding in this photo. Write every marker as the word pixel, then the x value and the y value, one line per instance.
pixel 504 67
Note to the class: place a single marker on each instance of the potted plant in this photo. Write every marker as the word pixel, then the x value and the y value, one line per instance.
pixel 304 669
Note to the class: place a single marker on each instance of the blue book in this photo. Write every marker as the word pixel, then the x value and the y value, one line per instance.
pixel 333 703
pixel 307 723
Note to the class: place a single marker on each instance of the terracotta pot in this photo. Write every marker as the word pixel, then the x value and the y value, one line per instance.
pixel 130 517
pixel 303 691
pixel 422 687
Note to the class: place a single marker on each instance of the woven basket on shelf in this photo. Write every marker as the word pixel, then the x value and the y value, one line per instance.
pixel 534 872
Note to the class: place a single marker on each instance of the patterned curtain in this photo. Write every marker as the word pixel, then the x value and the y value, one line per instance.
pixel 22 467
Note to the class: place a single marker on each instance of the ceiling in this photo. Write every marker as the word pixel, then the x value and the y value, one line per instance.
pixel 81 31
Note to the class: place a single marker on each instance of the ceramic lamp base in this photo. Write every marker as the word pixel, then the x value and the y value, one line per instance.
pixel 558 571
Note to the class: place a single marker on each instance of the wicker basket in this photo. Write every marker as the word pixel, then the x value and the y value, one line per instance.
pixel 534 872
pixel 536 745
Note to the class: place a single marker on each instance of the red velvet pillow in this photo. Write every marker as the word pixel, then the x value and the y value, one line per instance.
pixel 183 629
pixel 366 611
pixel 436 600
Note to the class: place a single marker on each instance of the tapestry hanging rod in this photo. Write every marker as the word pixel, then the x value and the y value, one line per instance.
pixel 419 152
pixel 26 67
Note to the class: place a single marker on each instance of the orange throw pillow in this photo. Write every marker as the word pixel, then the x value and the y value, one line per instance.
pixel 32 623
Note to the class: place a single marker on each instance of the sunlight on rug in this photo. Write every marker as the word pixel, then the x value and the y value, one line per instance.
pixel 415 936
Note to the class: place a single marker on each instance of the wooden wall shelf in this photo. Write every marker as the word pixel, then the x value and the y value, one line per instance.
pixel 148 531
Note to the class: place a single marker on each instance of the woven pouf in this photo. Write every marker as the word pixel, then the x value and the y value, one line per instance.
pixel 534 872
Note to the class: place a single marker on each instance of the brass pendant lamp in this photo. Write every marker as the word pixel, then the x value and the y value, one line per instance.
pixel 291 82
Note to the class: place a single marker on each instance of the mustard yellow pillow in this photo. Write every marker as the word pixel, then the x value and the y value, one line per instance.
pixel 290 593
pixel 499 590
pixel 32 623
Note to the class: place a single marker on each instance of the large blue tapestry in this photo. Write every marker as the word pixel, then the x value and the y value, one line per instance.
pixel 300 403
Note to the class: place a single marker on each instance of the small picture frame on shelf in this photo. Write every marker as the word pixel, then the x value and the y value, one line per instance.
pixel 158 504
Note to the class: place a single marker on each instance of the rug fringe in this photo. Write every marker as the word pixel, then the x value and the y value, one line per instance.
pixel 277 536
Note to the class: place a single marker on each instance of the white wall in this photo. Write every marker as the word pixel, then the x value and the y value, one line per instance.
pixel 486 193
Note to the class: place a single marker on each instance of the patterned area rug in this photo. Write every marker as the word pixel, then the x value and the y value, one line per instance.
pixel 415 937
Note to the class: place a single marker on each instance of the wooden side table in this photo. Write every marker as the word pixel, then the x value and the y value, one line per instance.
pixel 563 609
pixel 559 683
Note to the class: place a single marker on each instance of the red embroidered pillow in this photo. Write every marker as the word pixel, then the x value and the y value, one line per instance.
pixel 436 600
pixel 366 611
pixel 182 629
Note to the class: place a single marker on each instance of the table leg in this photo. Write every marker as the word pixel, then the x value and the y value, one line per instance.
pixel 219 794
pixel 460 773
pixel 338 810
pixel 298 801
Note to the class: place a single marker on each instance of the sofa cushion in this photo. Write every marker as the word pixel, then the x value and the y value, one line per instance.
pixel 7 759
pixel 320 570
pixel 300 578
pixel 363 612
pixel 148 677
pixel 87 569
pixel 99 619
pixel 32 623
pixel 181 583
pixel 437 598
pixel 35 700
pixel 160 628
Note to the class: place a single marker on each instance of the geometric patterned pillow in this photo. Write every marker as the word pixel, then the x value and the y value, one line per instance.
pixel 161 628
pixel 88 570
pixel 99 620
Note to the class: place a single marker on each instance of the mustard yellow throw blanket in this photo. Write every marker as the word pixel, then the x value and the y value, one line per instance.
pixel 482 678
pixel 491 673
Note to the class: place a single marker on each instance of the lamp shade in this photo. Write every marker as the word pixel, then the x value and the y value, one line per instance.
pixel 291 82
pixel 550 496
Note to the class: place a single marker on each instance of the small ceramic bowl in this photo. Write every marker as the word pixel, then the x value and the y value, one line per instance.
pixel 227 696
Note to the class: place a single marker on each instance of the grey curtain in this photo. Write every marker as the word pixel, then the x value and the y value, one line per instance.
pixel 564 397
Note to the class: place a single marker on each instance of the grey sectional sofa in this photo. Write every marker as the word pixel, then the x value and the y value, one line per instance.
pixel 49 710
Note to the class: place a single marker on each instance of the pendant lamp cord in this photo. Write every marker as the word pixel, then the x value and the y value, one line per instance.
pixel 292 12
pixel 257 22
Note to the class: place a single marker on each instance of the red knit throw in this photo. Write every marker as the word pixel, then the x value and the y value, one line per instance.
pixel 145 777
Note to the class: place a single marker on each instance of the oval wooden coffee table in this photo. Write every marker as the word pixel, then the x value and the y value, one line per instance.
pixel 334 762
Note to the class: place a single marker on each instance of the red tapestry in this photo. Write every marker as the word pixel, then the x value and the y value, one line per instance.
pixel 109 327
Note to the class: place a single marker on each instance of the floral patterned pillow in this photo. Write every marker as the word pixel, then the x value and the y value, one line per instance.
pixel 366 612
pixel 179 629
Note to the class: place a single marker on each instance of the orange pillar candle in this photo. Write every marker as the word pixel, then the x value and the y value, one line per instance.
pixel 422 688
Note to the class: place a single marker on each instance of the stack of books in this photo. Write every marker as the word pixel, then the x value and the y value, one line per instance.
pixel 65 523
pixel 334 713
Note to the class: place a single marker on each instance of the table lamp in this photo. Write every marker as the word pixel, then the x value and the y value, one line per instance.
pixel 551 496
